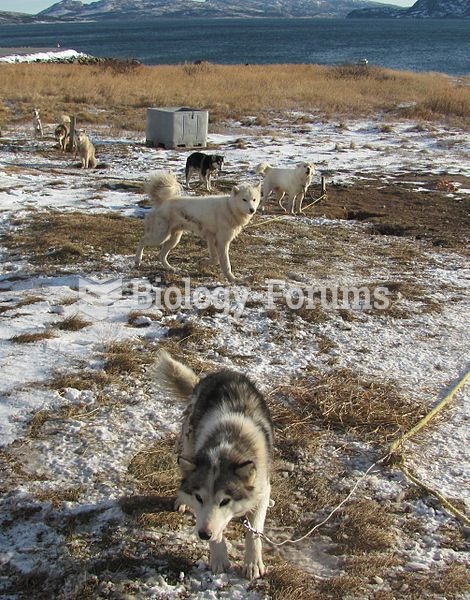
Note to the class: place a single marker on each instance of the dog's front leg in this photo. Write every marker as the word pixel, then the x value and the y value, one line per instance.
pixel 224 260
pixel 218 559
pixel 253 566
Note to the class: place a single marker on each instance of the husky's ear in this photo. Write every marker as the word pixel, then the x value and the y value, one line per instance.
pixel 235 190
pixel 186 465
pixel 247 472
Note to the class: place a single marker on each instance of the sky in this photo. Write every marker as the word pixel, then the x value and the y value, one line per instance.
pixel 35 6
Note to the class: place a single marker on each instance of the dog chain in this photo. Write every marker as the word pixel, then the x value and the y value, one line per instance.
pixel 246 523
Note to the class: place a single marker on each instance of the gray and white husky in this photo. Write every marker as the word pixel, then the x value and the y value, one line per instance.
pixel 224 456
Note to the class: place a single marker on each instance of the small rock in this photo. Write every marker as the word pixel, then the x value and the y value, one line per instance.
pixel 72 394
pixel 142 321
pixel 57 309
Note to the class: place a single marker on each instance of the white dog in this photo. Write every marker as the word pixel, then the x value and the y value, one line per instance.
pixel 225 456
pixel 86 151
pixel 217 219
pixel 291 182
pixel 37 125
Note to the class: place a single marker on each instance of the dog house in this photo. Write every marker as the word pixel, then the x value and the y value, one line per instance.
pixel 177 126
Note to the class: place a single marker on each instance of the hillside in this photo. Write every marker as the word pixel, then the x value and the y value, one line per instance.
pixel 422 9
pixel 72 10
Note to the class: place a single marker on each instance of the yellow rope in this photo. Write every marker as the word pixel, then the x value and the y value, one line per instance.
pixel 448 505
pixel 259 223
pixel 400 463
pixel 314 202
pixel 424 421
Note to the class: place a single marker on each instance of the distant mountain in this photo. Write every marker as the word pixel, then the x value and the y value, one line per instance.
pixel 438 9
pixel 14 17
pixel 75 10
pixel 144 9
pixel 422 9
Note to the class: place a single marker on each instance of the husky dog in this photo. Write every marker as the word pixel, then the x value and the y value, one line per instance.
pixel 216 219
pixel 61 132
pixel 37 125
pixel 225 456
pixel 205 165
pixel 293 182
pixel 86 150
pixel 61 136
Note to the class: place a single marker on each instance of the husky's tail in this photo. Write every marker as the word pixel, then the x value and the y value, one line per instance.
pixel 65 121
pixel 261 168
pixel 162 186
pixel 173 376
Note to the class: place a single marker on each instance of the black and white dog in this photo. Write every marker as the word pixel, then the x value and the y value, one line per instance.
pixel 205 165
pixel 224 456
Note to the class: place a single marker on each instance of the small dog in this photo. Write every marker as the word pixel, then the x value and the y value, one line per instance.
pixel 86 151
pixel 61 136
pixel 37 125
pixel 216 219
pixel 293 182
pixel 61 132
pixel 205 165
pixel 225 456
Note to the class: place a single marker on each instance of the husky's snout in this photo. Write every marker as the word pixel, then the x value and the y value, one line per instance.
pixel 204 535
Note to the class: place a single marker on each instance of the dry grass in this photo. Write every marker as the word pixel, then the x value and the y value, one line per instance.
pixel 58 496
pixel 80 380
pixel 52 238
pixel 287 582
pixel 226 90
pixel 450 582
pixel 127 357
pixel 72 323
pixel 28 300
pixel 156 469
pixel 29 338
pixel 365 526
pixel 340 400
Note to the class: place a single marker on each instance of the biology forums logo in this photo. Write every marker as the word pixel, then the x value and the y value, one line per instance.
pixel 100 298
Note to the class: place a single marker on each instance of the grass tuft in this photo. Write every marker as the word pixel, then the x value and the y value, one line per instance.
pixel 72 323
pixel 29 338
pixel 340 400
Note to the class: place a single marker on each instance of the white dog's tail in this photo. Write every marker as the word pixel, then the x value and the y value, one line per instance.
pixel 162 186
pixel 173 376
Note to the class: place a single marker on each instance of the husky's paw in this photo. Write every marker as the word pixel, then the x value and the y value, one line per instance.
pixel 219 562
pixel 254 569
